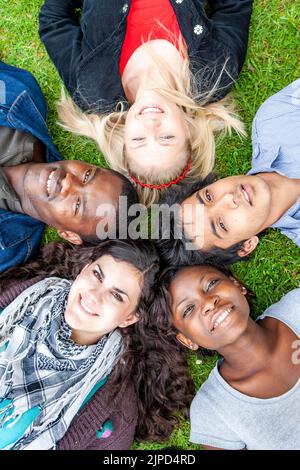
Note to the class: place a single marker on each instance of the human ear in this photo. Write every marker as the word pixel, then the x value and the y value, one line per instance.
pixel 248 246
pixel 130 320
pixel 239 285
pixel 186 342
pixel 71 237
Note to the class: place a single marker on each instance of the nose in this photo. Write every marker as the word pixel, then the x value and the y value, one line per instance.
pixel 228 201
pixel 151 122
pixel 68 184
pixel 95 298
pixel 210 303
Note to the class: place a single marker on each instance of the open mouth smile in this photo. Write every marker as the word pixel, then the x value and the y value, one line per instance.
pixel 247 193
pixel 220 317
pixel 151 110
pixel 48 183
pixel 87 309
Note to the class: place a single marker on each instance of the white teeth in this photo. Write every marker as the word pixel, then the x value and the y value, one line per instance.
pixel 222 317
pixel 49 181
pixel 151 110
pixel 246 195
pixel 85 307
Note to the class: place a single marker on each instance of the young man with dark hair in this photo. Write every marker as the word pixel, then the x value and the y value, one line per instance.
pixel 37 186
pixel 235 210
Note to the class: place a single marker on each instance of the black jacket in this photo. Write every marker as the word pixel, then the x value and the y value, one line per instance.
pixel 86 51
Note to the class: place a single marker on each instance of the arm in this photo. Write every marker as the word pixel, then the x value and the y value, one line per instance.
pixel 230 20
pixel 61 34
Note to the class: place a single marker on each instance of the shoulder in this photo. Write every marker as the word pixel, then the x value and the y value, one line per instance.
pixel 210 424
pixel 203 403
pixel 285 101
pixel 15 81
pixel 273 130
pixel 287 308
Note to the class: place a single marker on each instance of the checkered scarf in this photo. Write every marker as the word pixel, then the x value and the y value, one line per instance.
pixel 43 367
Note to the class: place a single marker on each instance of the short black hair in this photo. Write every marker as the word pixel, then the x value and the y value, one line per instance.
pixel 131 194
pixel 173 250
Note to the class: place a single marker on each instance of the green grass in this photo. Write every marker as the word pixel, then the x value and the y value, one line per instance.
pixel 272 63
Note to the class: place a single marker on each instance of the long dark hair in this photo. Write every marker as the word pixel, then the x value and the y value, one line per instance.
pixel 162 306
pixel 148 358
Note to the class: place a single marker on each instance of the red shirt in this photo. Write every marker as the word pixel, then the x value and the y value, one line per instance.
pixel 141 24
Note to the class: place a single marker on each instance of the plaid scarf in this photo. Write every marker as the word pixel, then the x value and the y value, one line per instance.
pixel 43 367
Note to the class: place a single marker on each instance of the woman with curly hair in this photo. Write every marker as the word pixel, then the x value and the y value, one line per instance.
pixel 149 79
pixel 84 317
pixel 251 397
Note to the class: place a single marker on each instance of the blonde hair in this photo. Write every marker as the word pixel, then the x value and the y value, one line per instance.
pixel 203 121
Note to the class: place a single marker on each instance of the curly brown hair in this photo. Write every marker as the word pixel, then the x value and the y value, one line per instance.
pixel 151 358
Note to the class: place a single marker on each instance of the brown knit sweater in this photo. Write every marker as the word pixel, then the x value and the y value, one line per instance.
pixel 122 411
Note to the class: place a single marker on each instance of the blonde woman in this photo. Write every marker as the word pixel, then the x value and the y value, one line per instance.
pixel 148 79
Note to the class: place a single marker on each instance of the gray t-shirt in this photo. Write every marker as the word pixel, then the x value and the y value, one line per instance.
pixel 16 147
pixel 225 418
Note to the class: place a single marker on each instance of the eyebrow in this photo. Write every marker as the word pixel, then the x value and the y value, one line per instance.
pixel 115 288
pixel 199 198
pixel 121 292
pixel 181 302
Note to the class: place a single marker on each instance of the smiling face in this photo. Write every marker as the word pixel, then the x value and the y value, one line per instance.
pixel 67 195
pixel 208 308
pixel 156 135
pixel 233 209
pixel 104 296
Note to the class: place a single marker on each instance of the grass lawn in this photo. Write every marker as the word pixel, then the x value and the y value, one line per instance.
pixel 272 63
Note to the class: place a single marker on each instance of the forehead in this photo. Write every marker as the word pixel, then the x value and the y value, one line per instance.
pixel 74 164
pixel 189 277
pixel 120 273
pixel 103 192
